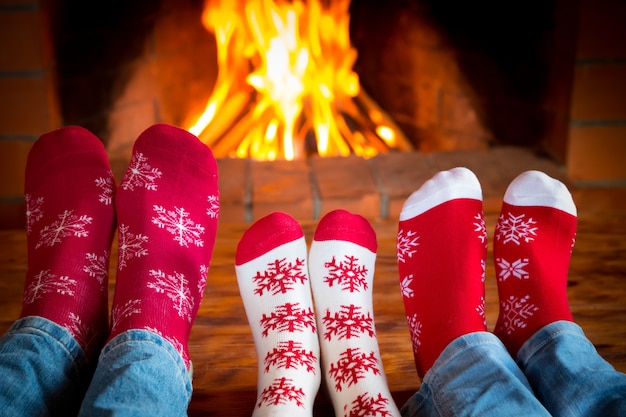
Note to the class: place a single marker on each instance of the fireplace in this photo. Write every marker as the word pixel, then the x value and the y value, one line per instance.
pixel 434 68
pixel 546 76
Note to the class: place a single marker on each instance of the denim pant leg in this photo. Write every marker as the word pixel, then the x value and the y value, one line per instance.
pixel 569 376
pixel 43 370
pixel 474 376
pixel 139 373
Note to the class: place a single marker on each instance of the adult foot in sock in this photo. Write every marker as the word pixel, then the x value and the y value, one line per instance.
pixel 441 251
pixel 167 208
pixel 534 239
pixel 70 223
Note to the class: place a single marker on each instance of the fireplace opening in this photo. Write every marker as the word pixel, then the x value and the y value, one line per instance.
pixel 445 76
pixel 286 86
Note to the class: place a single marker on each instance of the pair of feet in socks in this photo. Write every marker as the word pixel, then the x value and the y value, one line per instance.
pixel 442 247
pixel 280 281
pixel 165 210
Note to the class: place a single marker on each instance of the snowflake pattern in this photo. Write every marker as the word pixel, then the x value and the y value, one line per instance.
pixel 280 276
pixel 282 391
pixel 204 272
pixel 290 355
pixel 405 286
pixel 288 317
pixel 515 311
pixel 347 323
pixel 80 331
pixel 97 267
pixel 515 229
pixel 106 189
pixel 46 282
pixel 348 274
pixel 480 309
pixel 34 211
pixel 213 210
pixel 140 174
pixel 480 228
pixel 130 246
pixel 366 406
pixel 415 329
pixel 515 269
pixel 353 365
pixel 68 224
pixel 129 308
pixel 176 287
pixel 176 221
pixel 483 267
pixel 405 247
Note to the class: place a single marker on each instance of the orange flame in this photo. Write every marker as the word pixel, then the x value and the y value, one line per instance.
pixel 285 78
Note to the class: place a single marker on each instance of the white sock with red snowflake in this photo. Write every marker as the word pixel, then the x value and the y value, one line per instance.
pixel 167 208
pixel 441 250
pixel 271 268
pixel 534 239
pixel 70 223
pixel 341 264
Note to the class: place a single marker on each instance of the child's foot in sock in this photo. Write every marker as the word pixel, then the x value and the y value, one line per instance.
pixel 70 223
pixel 341 264
pixel 534 239
pixel 167 209
pixel 441 250
pixel 271 268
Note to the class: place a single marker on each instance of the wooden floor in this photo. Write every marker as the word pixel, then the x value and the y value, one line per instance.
pixel 221 344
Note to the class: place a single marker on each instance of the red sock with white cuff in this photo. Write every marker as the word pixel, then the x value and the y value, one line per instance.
pixel 534 239
pixel 271 268
pixel 167 207
pixel 341 264
pixel 70 223
pixel 441 251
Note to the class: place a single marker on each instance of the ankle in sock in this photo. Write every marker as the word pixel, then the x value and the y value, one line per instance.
pixel 534 239
pixel 341 264
pixel 70 223
pixel 167 207
pixel 441 251
pixel 271 269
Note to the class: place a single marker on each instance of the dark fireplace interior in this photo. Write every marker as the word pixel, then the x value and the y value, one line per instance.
pixel 514 60
pixel 506 52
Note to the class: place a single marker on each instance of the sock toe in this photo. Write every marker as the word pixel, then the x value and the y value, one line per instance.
pixel 446 185
pixel 174 142
pixel 71 147
pixel 265 234
pixel 343 225
pixel 535 188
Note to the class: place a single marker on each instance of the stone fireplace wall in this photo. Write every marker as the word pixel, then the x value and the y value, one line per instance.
pixel 596 145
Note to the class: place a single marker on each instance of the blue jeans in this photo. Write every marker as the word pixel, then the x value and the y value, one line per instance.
pixel 45 373
pixel 558 372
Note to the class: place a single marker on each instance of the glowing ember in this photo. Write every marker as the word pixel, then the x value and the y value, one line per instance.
pixel 286 87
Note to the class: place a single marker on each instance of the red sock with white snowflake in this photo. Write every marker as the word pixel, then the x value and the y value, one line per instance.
pixel 441 250
pixel 534 239
pixel 70 223
pixel 341 264
pixel 271 268
pixel 167 208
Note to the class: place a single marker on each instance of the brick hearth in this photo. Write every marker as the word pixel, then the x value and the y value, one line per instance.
pixel 375 188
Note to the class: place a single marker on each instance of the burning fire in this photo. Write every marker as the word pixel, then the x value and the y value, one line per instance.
pixel 285 86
